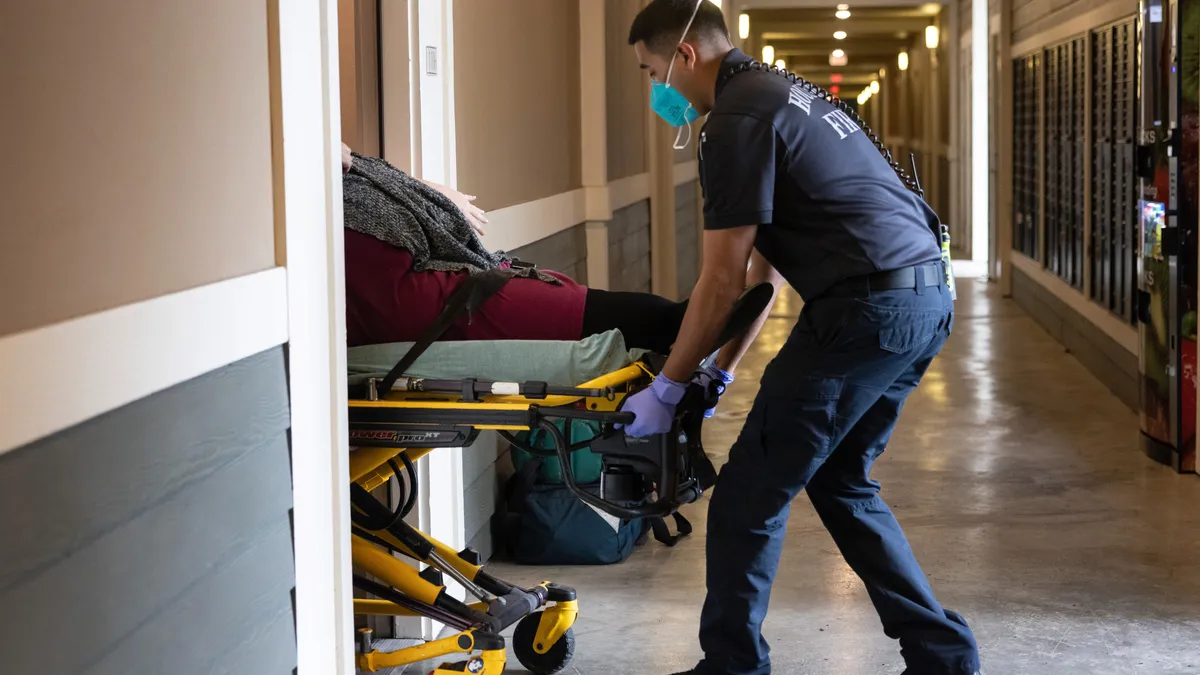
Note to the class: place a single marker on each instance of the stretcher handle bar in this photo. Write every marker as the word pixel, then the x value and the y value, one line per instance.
pixel 472 389
pixel 660 509
pixel 612 417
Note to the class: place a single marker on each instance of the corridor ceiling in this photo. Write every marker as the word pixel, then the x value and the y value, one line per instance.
pixel 804 38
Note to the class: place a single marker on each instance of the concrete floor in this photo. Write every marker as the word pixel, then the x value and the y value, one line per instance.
pixel 1017 477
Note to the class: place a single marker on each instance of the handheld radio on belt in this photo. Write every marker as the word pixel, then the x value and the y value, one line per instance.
pixel 941 232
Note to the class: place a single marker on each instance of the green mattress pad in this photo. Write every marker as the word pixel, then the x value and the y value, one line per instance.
pixel 562 363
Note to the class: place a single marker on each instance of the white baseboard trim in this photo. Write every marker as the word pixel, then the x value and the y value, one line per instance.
pixel 626 191
pixel 686 172
pixel 1120 332
pixel 56 377
pixel 521 224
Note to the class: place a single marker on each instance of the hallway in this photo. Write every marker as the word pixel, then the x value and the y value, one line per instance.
pixel 1037 518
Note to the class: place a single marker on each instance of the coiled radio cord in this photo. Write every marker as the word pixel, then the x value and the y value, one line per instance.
pixel 910 182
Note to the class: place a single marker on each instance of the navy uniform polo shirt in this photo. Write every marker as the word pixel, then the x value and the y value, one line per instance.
pixel 828 205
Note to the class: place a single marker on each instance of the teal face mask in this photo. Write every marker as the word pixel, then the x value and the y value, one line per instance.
pixel 667 102
pixel 671 105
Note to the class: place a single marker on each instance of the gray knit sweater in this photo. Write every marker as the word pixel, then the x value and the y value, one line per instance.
pixel 382 201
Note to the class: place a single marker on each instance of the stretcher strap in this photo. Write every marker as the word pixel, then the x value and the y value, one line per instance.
pixel 472 293
pixel 662 533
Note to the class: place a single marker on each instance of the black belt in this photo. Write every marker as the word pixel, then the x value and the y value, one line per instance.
pixel 890 280
pixel 906 277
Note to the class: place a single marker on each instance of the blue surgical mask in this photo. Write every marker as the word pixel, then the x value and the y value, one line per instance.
pixel 666 100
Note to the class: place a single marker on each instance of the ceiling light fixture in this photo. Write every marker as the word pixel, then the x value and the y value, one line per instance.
pixel 931 37
pixel 902 61
pixel 883 72
pixel 874 86
pixel 834 89
pixel 842 14
pixel 781 64
pixel 843 7
pixel 837 58
pixel 744 26
pixel 836 77
pixel 768 54
pixel 839 35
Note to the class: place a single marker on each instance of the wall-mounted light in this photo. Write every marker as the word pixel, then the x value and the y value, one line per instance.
pixel 743 26
pixel 839 35
pixel 768 54
pixel 931 37
pixel 902 61
pixel 842 14
pixel 781 64
pixel 874 86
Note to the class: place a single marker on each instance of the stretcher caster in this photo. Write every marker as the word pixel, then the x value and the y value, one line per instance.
pixel 488 663
pixel 541 643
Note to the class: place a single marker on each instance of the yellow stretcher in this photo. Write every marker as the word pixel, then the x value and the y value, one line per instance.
pixel 395 420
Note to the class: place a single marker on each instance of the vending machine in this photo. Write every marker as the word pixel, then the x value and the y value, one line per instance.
pixel 1168 159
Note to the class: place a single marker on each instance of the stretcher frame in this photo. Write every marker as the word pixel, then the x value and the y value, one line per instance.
pixel 405 418
pixel 386 427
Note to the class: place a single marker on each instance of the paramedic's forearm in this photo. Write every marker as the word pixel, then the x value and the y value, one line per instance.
pixel 760 271
pixel 708 311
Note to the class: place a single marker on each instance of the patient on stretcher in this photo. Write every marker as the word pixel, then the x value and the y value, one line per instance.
pixel 409 244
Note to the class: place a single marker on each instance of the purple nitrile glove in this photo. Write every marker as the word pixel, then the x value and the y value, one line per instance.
pixel 706 376
pixel 654 407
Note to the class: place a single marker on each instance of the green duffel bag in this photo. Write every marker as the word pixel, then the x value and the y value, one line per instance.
pixel 585 464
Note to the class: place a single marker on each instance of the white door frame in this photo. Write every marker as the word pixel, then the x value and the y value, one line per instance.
pixel 980 60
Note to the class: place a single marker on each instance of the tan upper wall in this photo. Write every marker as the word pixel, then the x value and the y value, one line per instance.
pixel 516 87
pixel 137 152
pixel 628 93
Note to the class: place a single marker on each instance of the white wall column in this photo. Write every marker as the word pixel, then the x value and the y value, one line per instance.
pixel 308 196
pixel 980 178
pixel 593 127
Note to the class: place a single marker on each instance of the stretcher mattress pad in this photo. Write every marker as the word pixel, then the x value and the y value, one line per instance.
pixel 562 363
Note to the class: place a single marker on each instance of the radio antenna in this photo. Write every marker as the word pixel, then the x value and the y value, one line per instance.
pixel 912 159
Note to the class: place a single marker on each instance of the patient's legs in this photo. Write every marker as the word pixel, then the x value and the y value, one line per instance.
pixel 647 321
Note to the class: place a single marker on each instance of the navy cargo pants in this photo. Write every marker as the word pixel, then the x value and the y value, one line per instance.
pixel 826 408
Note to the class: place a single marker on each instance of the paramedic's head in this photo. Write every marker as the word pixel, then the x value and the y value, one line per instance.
pixel 687 63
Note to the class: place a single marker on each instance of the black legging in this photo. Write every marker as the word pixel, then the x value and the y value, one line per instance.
pixel 646 320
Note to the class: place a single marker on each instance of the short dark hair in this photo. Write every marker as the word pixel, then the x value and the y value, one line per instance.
pixel 660 24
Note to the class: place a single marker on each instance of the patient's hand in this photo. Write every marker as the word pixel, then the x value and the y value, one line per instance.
pixel 347 158
pixel 475 215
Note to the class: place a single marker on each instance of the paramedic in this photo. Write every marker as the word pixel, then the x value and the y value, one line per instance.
pixel 795 177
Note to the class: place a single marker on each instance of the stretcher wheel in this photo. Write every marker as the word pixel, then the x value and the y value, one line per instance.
pixel 554 660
